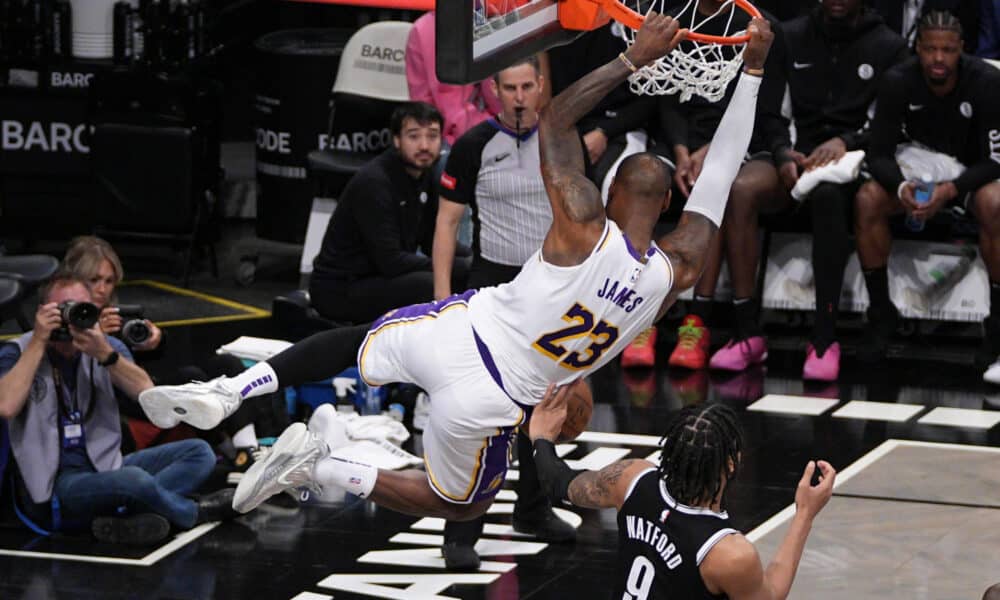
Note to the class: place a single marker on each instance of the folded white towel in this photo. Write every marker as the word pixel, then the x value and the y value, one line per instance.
pixel 842 171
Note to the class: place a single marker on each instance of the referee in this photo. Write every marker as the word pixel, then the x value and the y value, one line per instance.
pixel 494 168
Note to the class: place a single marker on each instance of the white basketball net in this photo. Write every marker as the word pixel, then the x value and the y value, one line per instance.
pixel 692 67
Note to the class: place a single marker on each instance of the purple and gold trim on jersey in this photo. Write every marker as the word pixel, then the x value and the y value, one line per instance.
pixel 488 474
pixel 405 315
pixel 604 239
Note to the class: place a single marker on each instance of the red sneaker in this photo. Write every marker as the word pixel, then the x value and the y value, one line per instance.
pixel 642 351
pixel 693 338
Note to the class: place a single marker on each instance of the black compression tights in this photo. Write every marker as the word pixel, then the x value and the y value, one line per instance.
pixel 319 356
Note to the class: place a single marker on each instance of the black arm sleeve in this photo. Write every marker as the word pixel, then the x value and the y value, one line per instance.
pixel 553 472
pixel 887 127
pixel 987 133
pixel 378 221
pixel 636 114
pixel 674 121
pixel 771 129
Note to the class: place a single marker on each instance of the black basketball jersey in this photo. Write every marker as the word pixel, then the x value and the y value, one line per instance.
pixel 661 543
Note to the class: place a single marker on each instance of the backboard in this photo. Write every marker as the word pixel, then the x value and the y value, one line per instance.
pixel 476 38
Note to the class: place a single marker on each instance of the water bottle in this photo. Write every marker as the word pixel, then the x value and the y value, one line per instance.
pixel 922 192
pixel 345 390
pixel 397 412
pixel 373 398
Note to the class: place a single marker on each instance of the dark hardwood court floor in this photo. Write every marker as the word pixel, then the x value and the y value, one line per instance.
pixel 351 549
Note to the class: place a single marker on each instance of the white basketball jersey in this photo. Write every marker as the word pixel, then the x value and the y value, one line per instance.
pixel 554 324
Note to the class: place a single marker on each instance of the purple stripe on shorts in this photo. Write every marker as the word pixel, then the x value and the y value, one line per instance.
pixel 491 367
pixel 494 465
pixel 415 311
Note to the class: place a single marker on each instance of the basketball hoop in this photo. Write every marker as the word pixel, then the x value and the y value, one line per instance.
pixel 702 64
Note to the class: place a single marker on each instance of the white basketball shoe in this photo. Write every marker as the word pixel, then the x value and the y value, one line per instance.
pixel 200 404
pixel 288 465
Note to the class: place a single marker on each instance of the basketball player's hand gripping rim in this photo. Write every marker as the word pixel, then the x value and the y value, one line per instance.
pixel 810 499
pixel 658 35
pixel 757 48
pixel 548 416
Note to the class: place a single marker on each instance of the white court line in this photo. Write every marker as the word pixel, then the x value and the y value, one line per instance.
pixel 961 417
pixel 627 439
pixel 856 467
pixel 793 405
pixel 878 411
pixel 146 561
pixel 944 446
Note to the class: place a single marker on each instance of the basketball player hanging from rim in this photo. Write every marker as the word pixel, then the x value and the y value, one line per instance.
pixel 486 358
pixel 674 538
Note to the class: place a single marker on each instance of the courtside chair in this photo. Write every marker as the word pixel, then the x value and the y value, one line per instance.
pixel 370 84
pixel 28 271
pixel 10 300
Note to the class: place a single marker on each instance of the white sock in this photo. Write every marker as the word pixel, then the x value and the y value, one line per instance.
pixel 357 478
pixel 246 437
pixel 258 380
pixel 328 426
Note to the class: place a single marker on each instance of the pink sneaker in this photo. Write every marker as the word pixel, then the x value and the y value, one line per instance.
pixel 737 355
pixel 825 368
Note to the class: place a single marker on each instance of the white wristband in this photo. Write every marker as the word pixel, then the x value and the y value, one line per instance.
pixel 899 190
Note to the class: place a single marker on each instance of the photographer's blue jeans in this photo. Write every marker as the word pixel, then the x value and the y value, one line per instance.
pixel 155 480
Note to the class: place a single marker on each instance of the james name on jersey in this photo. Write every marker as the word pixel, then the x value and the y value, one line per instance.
pixel 622 295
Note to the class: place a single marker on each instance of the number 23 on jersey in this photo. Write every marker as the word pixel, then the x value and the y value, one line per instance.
pixel 582 323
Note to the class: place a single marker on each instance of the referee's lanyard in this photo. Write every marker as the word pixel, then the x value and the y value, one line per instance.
pixel 70 418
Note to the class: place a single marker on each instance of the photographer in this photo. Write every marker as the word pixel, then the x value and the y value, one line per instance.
pixel 93 260
pixel 57 392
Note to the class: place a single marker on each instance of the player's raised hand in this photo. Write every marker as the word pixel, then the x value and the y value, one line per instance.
pixel 757 48
pixel 810 499
pixel 658 35
pixel 548 416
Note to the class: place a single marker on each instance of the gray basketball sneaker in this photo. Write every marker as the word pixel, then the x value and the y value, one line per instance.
pixel 200 404
pixel 288 465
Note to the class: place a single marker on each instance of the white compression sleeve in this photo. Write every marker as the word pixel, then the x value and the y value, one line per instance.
pixel 725 156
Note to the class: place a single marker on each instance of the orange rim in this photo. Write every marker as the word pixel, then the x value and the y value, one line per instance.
pixel 630 18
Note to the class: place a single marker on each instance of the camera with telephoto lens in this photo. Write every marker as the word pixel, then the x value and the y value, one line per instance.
pixel 134 330
pixel 81 315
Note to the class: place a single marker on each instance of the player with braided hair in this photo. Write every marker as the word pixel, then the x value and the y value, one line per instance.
pixel 700 444
pixel 674 538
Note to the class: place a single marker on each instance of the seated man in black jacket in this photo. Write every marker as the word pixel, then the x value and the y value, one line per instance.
pixel 832 61
pixel 941 104
pixel 368 263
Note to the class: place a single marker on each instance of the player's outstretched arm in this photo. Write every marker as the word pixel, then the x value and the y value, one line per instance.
pixel 589 489
pixel 575 199
pixel 733 566
pixel 686 245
